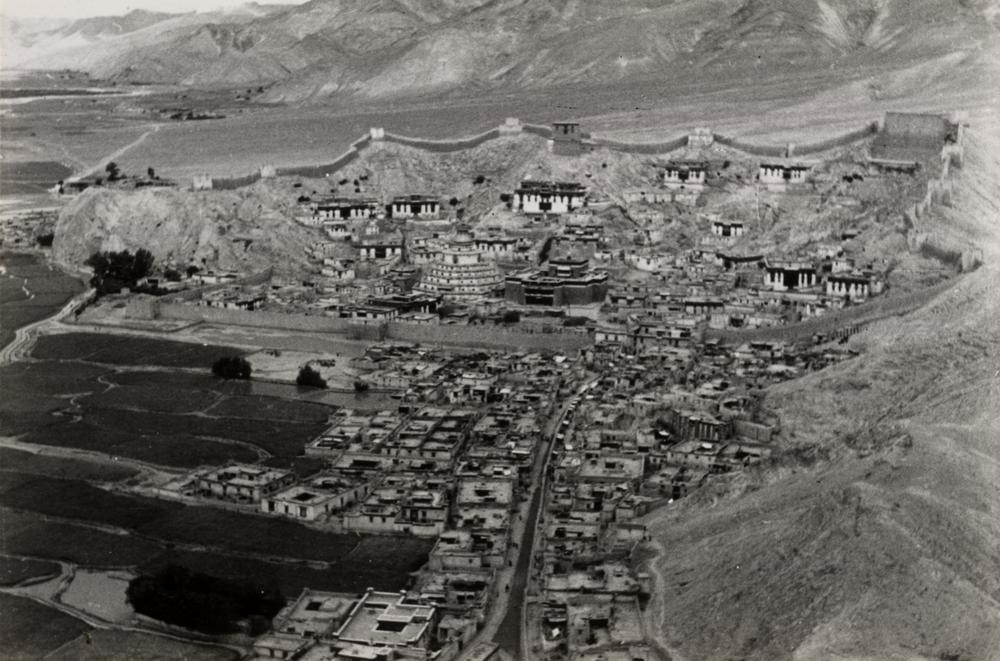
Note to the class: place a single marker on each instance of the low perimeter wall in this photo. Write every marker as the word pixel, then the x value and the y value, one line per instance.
pixel 486 337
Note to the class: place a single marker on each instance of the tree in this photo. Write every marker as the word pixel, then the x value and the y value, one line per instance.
pixel 151 173
pixel 203 602
pixel 453 201
pixel 445 310
pixel 360 386
pixel 113 172
pixel 310 378
pixel 191 270
pixel 116 270
pixel 45 240
pixel 173 275
pixel 232 367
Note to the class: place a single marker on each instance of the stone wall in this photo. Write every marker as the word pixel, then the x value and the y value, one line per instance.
pixel 643 147
pixel 839 141
pixel 443 146
pixel 489 337
pixel 486 337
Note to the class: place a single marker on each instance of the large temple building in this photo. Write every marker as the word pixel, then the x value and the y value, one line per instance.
pixel 561 282
pixel 458 270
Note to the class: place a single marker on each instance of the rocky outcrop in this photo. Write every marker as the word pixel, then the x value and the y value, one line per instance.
pixel 250 228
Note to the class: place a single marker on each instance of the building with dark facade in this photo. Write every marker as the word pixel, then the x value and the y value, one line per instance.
pixel 564 281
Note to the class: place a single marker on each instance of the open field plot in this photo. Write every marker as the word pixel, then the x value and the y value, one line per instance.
pixel 197 525
pixel 27 463
pixel 162 416
pixel 363 564
pixel 115 439
pixel 26 534
pixel 47 291
pixel 105 645
pixel 128 350
pixel 31 630
pixel 15 570
pixel 281 439
pixel 75 499
pixel 270 408
pixel 34 177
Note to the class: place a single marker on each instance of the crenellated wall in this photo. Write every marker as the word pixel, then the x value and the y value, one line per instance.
pixel 470 142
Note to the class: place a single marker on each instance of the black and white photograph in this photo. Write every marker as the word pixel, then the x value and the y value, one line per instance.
pixel 500 330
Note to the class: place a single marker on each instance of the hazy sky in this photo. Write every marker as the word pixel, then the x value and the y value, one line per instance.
pixel 80 8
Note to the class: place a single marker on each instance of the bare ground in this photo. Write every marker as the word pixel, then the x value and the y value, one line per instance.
pixel 876 533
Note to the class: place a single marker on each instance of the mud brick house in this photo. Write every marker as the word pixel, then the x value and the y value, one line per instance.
pixel 549 197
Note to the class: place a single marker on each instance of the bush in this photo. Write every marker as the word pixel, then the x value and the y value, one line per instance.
pixel 310 378
pixel 232 367
pixel 202 602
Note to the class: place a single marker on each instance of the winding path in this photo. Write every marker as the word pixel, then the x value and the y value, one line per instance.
pixel 118 153
pixel 24 337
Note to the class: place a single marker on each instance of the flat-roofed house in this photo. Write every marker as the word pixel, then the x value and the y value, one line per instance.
pixel 416 207
pixel 685 174
pixel 243 483
pixel 778 176
pixel 389 621
pixel 348 208
pixel 549 197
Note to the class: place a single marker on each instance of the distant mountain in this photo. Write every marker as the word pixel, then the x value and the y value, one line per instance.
pixel 383 48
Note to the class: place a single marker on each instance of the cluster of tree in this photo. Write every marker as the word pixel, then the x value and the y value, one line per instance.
pixel 310 378
pixel 510 317
pixel 202 602
pixel 115 270
pixel 232 367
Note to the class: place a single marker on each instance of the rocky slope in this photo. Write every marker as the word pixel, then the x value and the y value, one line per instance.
pixel 876 533
pixel 412 47
pixel 248 229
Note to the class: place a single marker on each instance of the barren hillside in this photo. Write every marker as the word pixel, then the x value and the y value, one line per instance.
pixel 394 48
pixel 249 229
pixel 876 534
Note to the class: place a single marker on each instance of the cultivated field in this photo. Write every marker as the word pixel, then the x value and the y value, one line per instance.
pixel 16 570
pixel 31 630
pixel 105 645
pixel 47 291
pixel 137 403
pixel 156 401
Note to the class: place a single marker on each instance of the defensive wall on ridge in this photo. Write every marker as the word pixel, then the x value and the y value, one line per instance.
pixel 514 127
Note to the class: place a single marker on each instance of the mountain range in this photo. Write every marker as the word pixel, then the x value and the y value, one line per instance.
pixel 386 48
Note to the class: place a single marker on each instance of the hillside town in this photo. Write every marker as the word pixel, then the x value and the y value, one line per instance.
pixel 554 369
